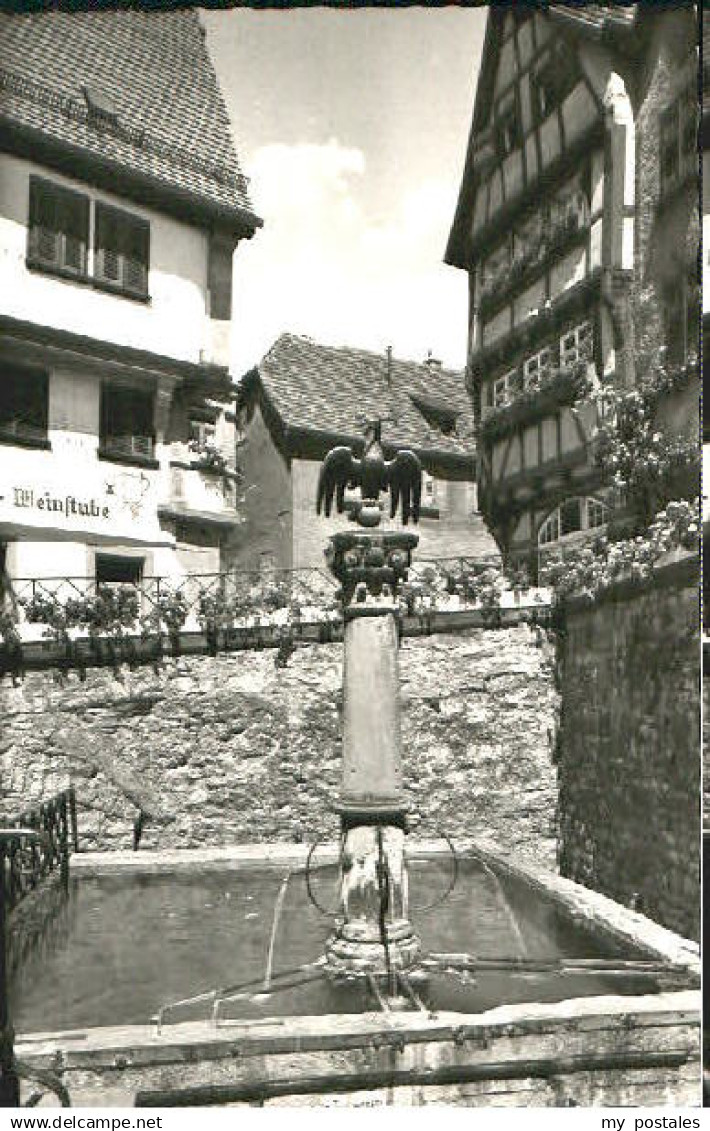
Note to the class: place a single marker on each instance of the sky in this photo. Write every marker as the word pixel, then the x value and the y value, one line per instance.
pixel 352 127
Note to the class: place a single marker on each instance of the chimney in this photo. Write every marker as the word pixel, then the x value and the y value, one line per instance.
pixel 389 367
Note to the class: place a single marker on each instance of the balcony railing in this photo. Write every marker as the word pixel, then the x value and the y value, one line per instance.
pixel 18 431
pixel 72 608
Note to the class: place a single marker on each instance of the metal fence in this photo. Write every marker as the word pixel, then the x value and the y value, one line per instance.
pixel 70 607
pixel 35 844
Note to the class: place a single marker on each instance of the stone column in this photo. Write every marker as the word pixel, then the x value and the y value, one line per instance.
pixel 375 935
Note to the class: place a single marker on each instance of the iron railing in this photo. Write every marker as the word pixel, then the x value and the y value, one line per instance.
pixel 235 599
pixel 35 844
pixel 195 598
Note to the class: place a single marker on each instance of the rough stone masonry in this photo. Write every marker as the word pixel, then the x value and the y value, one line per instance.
pixel 231 749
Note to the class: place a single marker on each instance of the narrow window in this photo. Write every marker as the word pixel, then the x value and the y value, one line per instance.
pixel 127 423
pixel 508 132
pixel 58 228
pixel 576 344
pixel 505 388
pixel 24 402
pixel 430 495
pixel 535 368
pixel 122 245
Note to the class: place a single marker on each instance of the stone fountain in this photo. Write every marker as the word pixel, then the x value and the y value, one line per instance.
pixel 375 935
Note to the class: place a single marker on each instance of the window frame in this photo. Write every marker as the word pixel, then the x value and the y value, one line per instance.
pixel 544 359
pixel 127 560
pixel 505 385
pixel 52 195
pixel 129 226
pixel 121 447
pixel 589 505
pixel 583 346
pixel 27 435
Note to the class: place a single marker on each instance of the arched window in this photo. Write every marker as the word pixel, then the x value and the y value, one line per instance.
pixel 572 517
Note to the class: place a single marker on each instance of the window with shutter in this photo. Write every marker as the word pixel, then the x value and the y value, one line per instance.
pixel 24 404
pixel 58 228
pixel 122 246
pixel 127 429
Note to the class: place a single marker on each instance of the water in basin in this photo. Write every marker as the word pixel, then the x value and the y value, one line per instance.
pixel 124 946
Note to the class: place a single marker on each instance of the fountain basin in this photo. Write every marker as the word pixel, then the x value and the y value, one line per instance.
pixel 550 1043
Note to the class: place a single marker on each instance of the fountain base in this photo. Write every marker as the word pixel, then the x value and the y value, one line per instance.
pixel 357 949
pixel 375 935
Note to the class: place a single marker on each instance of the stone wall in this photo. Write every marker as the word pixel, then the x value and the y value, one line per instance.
pixel 706 740
pixel 233 749
pixel 629 751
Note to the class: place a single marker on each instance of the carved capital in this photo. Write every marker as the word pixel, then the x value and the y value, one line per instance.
pixel 370 568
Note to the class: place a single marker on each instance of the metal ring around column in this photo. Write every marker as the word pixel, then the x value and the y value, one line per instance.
pixel 330 914
pixel 452 883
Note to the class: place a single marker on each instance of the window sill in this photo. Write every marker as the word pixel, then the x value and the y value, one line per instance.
pixel 39 267
pixel 24 442
pixel 120 291
pixel 42 268
pixel 111 456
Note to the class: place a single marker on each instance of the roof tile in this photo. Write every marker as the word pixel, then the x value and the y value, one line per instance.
pixel 335 389
pixel 154 67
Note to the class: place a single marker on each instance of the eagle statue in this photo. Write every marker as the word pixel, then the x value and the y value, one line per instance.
pixel 373 474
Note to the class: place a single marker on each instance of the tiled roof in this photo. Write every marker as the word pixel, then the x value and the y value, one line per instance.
pixel 153 69
pixel 334 390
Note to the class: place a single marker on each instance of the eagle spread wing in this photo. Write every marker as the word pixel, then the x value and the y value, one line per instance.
pixel 404 476
pixel 338 470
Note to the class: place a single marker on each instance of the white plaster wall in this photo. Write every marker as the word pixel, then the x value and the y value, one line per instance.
pixel 29 559
pixel 173 323
pixel 32 481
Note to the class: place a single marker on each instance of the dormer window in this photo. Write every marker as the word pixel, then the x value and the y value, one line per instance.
pixel 122 248
pixel 507 127
pixel 101 107
pixel 58 228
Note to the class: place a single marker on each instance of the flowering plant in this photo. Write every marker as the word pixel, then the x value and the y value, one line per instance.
pixel 592 568
pixel 549 388
pixel 209 457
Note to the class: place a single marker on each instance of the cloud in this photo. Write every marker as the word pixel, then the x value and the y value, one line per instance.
pixel 323 266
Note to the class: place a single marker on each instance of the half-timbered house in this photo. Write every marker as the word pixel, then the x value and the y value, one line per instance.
pixel 577 225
